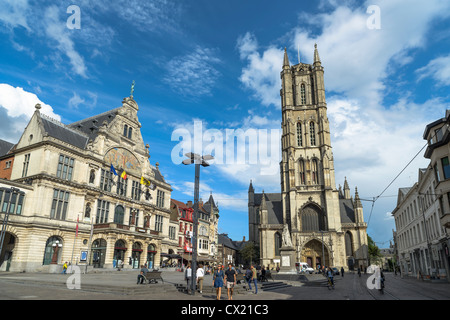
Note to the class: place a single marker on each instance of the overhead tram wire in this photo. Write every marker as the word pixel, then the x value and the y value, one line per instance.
pixel 377 197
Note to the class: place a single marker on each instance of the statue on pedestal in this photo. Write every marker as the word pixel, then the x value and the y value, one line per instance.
pixel 287 242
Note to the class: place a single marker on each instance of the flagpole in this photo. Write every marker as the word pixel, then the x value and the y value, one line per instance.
pixel 76 235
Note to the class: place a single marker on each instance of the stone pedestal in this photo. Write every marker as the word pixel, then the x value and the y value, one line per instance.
pixel 287 260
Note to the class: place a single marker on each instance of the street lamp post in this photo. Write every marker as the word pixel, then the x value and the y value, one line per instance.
pixel 6 217
pixel 198 161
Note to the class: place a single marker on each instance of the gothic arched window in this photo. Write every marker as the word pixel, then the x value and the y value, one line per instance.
pixel 312 133
pixel 348 244
pixel 299 135
pixel 312 219
pixel 315 172
pixel 278 243
pixel 303 94
pixel 302 172
pixel 125 130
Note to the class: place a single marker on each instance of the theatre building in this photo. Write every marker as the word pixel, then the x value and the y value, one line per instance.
pixel 84 193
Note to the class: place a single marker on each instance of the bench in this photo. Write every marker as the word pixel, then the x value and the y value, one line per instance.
pixel 153 276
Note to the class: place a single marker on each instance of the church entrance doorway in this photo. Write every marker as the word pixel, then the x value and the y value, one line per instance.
pixel 312 254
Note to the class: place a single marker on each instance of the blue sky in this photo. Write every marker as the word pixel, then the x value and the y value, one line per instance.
pixel 219 62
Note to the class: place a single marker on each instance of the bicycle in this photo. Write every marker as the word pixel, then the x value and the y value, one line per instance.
pixel 330 283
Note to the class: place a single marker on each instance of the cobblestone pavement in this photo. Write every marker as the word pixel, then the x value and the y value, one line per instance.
pixel 122 285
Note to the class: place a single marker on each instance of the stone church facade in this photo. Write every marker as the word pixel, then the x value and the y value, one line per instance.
pixel 325 225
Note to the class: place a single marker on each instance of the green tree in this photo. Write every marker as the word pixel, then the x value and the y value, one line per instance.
pixel 374 251
pixel 250 253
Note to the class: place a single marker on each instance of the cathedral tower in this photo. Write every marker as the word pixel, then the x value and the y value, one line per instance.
pixel 324 225
pixel 307 169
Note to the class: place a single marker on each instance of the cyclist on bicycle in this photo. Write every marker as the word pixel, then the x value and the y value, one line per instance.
pixel 330 276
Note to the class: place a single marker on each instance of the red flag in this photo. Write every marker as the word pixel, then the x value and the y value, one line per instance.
pixel 76 230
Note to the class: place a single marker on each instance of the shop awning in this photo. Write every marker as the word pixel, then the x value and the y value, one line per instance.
pixel 171 256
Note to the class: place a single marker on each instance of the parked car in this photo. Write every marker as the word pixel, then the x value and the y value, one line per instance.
pixel 335 271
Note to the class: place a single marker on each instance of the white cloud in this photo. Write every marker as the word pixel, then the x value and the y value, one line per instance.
pixel 17 106
pixel 13 13
pixel 438 69
pixel 193 74
pixel 235 201
pixel 75 101
pixel 57 31
pixel 262 74
pixel 356 59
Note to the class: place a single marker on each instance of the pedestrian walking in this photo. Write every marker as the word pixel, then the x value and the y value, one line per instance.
pixel 64 271
pixel 253 279
pixel 263 274
pixel 200 275
pixel 218 281
pixel 188 276
pixel 230 281
pixel 342 272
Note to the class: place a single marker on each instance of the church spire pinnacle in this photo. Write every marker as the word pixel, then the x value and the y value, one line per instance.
pixel 316 56
pixel 286 64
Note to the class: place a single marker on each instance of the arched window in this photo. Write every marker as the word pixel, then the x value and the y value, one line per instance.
pixel 348 244
pixel 315 172
pixel 53 248
pixel 119 215
pixel 312 219
pixel 125 130
pixel 130 132
pixel 299 135
pixel 312 133
pixel 302 172
pixel 277 243
pixel 151 251
pixel 303 93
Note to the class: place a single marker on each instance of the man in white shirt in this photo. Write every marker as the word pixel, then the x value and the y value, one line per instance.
pixel 200 275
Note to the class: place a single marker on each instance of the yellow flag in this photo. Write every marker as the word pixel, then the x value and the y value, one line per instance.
pixel 145 182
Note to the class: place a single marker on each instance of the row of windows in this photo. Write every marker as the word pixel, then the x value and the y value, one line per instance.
pixel 11 202
pixel 107 182
pixel 65 171
pixel 420 232
pixel 312 134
